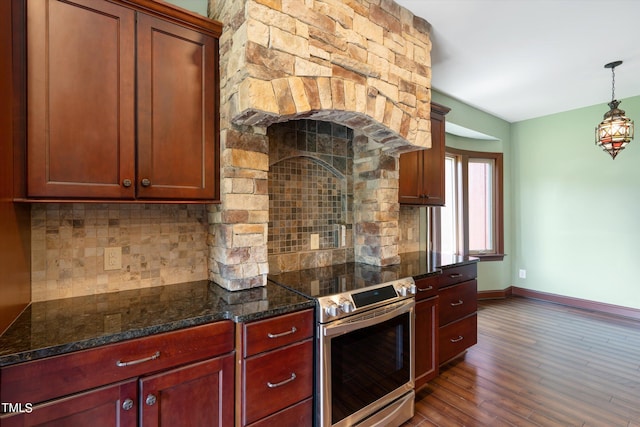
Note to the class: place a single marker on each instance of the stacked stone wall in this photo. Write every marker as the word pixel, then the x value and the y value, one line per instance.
pixel 361 63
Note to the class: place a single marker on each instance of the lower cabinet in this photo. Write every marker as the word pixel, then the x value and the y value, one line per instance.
pixel 112 405
pixel 194 395
pixel 445 319
pixel 426 331
pixel 458 326
pixel 275 374
pixel 184 377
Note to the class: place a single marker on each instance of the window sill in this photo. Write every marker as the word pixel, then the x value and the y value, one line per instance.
pixel 489 257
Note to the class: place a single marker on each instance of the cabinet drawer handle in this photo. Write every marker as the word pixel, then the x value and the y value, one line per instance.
pixel 455 304
pixel 425 289
pixel 146 182
pixel 282 334
pixel 455 275
pixel 154 356
pixel 460 338
pixel 288 380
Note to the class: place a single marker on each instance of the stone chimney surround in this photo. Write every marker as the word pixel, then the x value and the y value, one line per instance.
pixel 364 64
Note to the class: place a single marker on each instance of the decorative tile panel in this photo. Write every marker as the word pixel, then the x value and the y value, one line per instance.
pixel 310 192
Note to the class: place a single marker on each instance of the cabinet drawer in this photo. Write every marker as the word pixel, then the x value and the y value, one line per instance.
pixel 456 337
pixel 451 276
pixel 299 415
pixel 82 370
pixel 427 287
pixel 277 379
pixel 458 301
pixel 265 335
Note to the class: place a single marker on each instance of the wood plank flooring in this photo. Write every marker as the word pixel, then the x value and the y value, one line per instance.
pixel 539 364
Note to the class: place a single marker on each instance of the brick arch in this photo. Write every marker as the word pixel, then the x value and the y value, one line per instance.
pixel 343 101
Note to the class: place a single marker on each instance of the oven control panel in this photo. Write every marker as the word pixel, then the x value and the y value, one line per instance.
pixel 338 306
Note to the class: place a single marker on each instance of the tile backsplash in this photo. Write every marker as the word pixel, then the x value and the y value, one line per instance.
pixel 161 244
pixel 310 192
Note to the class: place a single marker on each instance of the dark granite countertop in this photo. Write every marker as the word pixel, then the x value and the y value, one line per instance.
pixel 333 279
pixel 423 264
pixel 50 328
pixel 61 326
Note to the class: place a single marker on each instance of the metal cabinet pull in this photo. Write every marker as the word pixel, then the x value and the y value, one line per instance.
pixel 282 334
pixel 425 289
pixel 154 356
pixel 288 380
pixel 146 182
pixel 460 338
pixel 151 400
pixel 455 275
pixel 127 183
pixel 454 304
pixel 127 404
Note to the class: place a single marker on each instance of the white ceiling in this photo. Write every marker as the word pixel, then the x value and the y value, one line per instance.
pixel 520 59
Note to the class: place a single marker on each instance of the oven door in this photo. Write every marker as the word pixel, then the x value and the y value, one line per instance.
pixel 366 364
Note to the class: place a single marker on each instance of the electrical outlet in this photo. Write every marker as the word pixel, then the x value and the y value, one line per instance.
pixel 112 258
pixel 314 242
pixel 522 274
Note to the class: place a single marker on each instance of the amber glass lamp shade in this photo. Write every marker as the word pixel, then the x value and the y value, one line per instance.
pixel 615 132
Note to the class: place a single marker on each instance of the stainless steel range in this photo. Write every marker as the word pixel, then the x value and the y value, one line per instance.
pixel 364 363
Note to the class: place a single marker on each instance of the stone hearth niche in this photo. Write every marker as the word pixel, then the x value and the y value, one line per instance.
pixel 361 64
pixel 310 193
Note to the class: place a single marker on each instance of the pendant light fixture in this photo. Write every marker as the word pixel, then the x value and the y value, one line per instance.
pixel 616 130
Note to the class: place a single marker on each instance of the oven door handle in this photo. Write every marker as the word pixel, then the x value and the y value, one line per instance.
pixel 345 327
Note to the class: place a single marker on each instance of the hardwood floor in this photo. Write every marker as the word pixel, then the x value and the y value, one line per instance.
pixel 539 364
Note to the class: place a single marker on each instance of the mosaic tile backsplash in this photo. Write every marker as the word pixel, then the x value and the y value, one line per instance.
pixel 161 244
pixel 310 192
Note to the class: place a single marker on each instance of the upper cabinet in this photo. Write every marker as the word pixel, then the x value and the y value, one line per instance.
pixel 422 171
pixel 122 101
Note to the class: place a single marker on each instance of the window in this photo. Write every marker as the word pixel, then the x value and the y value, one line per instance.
pixel 471 221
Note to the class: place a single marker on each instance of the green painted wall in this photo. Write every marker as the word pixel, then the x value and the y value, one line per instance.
pixel 576 211
pixel 572 215
pixel 492 275
pixel 197 6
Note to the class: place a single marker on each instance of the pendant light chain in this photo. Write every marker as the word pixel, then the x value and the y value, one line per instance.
pixel 613 83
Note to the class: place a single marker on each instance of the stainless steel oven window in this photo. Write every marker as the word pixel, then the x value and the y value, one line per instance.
pixel 366 363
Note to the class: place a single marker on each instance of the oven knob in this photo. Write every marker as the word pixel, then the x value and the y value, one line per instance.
pixel 402 291
pixel 413 289
pixel 331 309
pixel 346 306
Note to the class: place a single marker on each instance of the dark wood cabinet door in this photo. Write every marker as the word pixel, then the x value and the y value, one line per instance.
pixel 80 88
pixel 198 395
pixel 115 405
pixel 422 172
pixel 410 185
pixel 433 160
pixel 426 341
pixel 177 141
